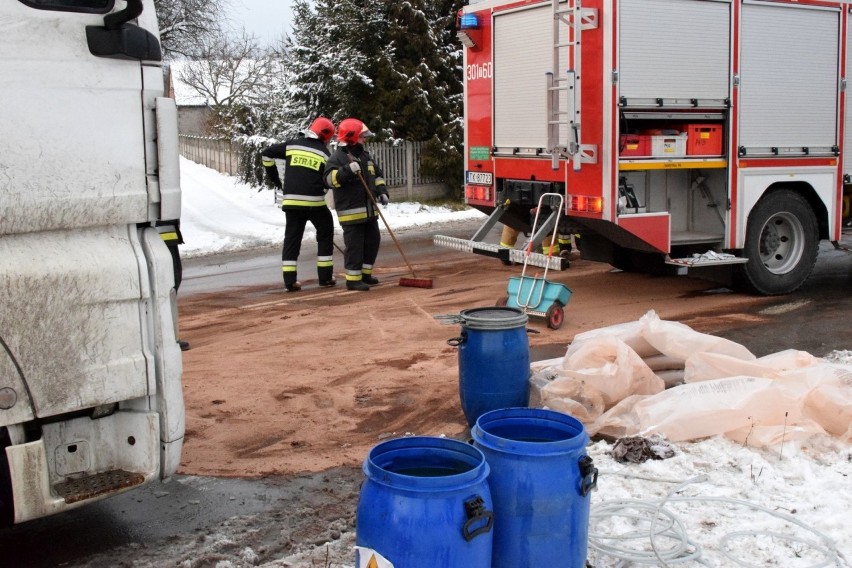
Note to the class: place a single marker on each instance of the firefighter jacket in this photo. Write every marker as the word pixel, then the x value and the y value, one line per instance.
pixel 304 163
pixel 350 198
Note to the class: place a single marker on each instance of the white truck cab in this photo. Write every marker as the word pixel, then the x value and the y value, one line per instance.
pixel 90 370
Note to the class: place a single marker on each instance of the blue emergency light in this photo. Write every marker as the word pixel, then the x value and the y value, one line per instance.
pixel 469 22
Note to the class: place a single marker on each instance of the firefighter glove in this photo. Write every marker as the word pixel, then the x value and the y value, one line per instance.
pixel 354 167
pixel 383 199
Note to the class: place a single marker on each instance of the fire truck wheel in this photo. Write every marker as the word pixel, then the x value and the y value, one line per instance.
pixel 555 316
pixel 782 242
pixel 504 301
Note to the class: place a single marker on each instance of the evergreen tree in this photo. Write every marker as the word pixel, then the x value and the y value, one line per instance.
pixel 325 70
pixel 422 87
pixel 409 91
pixel 396 65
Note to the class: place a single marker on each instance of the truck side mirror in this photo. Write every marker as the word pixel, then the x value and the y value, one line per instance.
pixel 126 42
pixel 120 40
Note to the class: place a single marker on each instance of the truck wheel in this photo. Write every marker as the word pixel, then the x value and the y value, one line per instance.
pixel 781 244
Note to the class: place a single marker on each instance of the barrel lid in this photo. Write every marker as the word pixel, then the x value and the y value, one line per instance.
pixel 493 317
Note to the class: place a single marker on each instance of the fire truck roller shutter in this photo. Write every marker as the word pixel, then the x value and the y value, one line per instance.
pixel 788 94
pixel 523 54
pixel 660 43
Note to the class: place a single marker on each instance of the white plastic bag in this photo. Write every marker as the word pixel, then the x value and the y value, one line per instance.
pixel 629 333
pixel 703 366
pixel 827 395
pixel 575 398
pixel 537 366
pixel 612 368
pixel 704 409
pixel 680 341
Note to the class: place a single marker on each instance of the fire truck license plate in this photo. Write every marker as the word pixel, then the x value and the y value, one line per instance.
pixel 480 178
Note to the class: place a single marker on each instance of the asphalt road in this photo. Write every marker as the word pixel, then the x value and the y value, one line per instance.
pixel 817 318
pixel 263 266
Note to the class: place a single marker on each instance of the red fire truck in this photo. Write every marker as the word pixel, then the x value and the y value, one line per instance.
pixel 683 133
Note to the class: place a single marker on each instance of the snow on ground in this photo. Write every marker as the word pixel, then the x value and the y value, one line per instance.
pixel 222 214
pixel 786 506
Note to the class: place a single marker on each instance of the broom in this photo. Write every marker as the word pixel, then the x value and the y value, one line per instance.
pixel 414 281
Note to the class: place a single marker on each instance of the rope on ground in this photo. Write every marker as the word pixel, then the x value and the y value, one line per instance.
pixel 665 525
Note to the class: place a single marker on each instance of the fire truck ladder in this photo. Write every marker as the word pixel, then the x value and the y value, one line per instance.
pixel 577 19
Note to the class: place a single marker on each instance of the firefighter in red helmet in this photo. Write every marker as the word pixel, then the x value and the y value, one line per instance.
pixel 350 173
pixel 304 199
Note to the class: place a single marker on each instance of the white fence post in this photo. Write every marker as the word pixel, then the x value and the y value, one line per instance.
pixel 409 171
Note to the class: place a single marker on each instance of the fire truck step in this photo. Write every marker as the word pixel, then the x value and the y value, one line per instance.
pixel 466 245
pixel 488 249
pixel 538 259
pixel 83 488
pixel 709 258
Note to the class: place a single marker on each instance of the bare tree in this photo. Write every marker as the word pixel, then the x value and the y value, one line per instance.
pixel 233 73
pixel 185 23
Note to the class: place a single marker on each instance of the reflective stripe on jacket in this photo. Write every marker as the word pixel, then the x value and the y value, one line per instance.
pixel 305 160
pixel 350 199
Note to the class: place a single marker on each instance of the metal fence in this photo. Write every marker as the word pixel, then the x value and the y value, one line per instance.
pixel 219 154
pixel 400 163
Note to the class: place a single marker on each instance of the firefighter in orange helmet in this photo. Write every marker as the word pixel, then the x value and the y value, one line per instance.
pixel 351 172
pixel 304 199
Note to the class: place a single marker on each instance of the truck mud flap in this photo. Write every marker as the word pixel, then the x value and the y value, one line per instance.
pixel 517 256
pixel 844 243
pixel 842 247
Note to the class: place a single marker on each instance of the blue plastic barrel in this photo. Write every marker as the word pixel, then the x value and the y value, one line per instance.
pixel 540 482
pixel 426 503
pixel 494 360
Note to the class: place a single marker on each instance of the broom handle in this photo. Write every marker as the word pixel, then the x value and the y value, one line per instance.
pixel 390 231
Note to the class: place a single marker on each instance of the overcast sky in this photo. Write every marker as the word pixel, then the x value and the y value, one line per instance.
pixel 267 19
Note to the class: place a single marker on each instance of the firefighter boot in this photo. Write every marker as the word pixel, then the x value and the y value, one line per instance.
pixel 369 280
pixel 290 282
pixel 357 285
pixel 325 275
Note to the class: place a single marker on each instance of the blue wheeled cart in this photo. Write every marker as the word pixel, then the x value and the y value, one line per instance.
pixel 535 295
pixel 538 297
